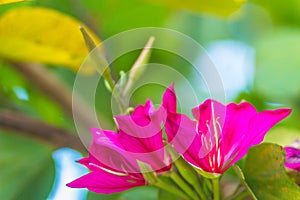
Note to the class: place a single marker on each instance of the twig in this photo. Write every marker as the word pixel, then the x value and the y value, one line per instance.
pixel 27 126
pixel 55 89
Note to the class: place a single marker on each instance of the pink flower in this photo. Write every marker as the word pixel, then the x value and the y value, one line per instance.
pixel 113 156
pixel 221 134
pixel 292 159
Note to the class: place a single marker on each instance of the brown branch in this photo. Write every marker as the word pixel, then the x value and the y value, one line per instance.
pixel 55 89
pixel 27 126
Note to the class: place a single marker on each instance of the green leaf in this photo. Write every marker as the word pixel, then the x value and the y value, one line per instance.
pixel 95 196
pixel 27 168
pixel 217 7
pixel 36 34
pixel 265 173
pixel 121 15
pixel 241 176
pixel 164 195
pixel 144 193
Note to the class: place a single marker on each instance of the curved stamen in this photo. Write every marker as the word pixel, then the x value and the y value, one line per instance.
pixel 108 170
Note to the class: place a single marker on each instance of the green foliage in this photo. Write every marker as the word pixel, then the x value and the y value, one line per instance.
pixel 27 168
pixel 217 7
pixel 265 173
pixel 145 193
pixel 46 31
pixel 114 16
pixel 165 195
pixel 287 13
pixel 35 105
pixel 277 73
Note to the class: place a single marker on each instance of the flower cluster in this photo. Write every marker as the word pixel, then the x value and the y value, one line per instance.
pixel 218 137
pixel 113 156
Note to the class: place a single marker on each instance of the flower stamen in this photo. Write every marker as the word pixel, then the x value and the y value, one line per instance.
pixel 108 170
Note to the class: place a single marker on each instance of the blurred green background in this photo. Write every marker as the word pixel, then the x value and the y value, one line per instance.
pixel 255 45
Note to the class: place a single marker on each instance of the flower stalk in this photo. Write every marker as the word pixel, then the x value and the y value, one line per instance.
pixel 187 172
pixel 152 178
pixel 183 185
pixel 216 188
pixel 170 188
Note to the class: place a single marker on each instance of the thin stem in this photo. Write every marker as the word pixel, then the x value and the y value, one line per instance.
pixel 166 184
pixel 183 185
pixel 119 102
pixel 207 187
pixel 240 174
pixel 48 83
pixel 187 172
pixel 200 192
pixel 138 67
pixel 216 188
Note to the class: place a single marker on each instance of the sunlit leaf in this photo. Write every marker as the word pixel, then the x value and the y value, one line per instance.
pixel 35 34
pixel 217 7
pixel 27 169
pixel 265 173
pixel 9 1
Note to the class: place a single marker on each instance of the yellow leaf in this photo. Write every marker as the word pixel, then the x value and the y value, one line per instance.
pixel 9 1
pixel 216 7
pixel 35 34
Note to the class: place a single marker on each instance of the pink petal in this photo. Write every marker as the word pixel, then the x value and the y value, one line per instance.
pixel 227 132
pixel 235 128
pixel 150 150
pixel 143 112
pixel 204 115
pixel 169 99
pixel 135 141
pixel 292 159
pixel 141 136
pixel 181 133
pixel 258 126
pixel 179 128
pixel 142 124
pixel 105 183
pixel 107 149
